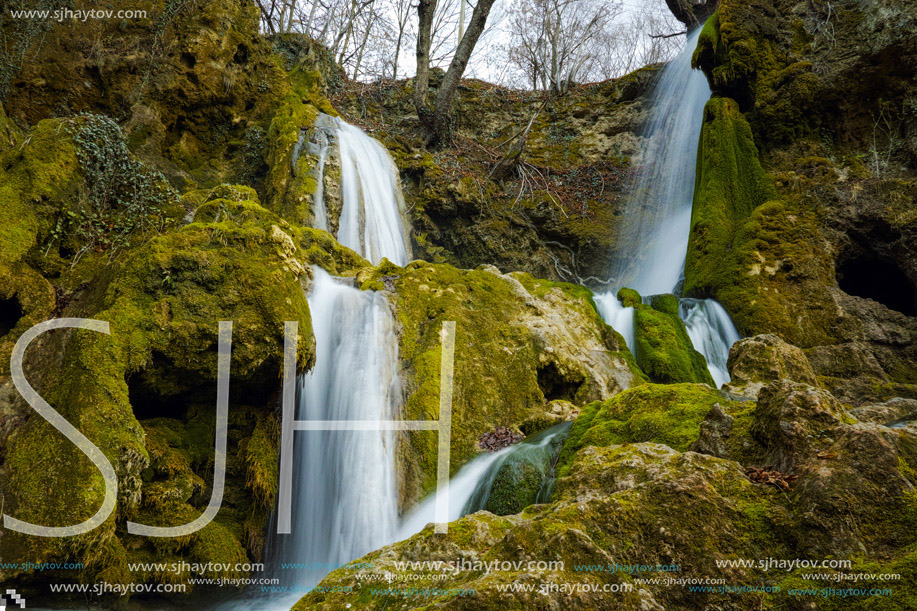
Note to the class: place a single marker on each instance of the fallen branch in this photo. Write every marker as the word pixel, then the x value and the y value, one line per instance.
pixel 672 35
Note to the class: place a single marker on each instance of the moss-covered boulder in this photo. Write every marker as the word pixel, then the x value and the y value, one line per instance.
pixel 648 504
pixel 669 414
pixel 145 394
pixel 756 361
pixel 641 504
pixel 661 343
pixel 520 344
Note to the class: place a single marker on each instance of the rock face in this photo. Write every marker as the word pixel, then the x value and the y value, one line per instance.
pixel 554 216
pixel 757 361
pixel 813 239
pixel 692 13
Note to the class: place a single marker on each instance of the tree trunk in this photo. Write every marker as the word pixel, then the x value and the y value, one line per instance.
pixel 438 127
pixel 425 11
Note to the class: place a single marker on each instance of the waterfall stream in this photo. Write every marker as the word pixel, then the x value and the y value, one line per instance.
pixel 652 241
pixel 345 500
pixel 371 221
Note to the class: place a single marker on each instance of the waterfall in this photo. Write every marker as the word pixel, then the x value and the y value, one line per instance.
pixel 471 486
pixel 371 221
pixel 652 241
pixel 615 314
pixel 344 497
pixel 712 333
pixel 653 238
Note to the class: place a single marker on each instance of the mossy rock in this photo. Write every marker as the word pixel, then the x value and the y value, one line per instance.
pixel 637 504
pixel 730 184
pixel 669 414
pixel 662 346
pixel 163 300
pixel 520 343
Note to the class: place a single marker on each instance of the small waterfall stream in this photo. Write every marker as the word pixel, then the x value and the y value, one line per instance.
pixel 652 242
pixel 371 221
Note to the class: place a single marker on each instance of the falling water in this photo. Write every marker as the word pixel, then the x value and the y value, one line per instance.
pixel 653 239
pixel 652 242
pixel 371 220
pixel 615 314
pixel 712 333
pixel 471 486
pixel 345 498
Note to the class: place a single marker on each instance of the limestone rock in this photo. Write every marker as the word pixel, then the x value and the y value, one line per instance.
pixel 757 361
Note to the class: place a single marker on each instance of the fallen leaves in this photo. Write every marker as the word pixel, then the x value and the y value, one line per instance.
pixel 499 438
pixel 767 476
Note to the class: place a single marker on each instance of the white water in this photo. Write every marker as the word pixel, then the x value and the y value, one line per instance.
pixel 615 314
pixel 481 471
pixel 652 243
pixel 712 333
pixel 345 501
pixel 371 217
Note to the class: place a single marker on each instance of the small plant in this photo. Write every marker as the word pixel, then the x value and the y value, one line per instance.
pixel 123 198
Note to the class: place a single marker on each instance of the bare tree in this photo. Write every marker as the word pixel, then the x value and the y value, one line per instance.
pixel 403 12
pixel 555 42
pixel 435 118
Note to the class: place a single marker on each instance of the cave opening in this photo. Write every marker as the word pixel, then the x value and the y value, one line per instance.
pixel 554 385
pixel 10 314
pixel 873 278
pixel 154 393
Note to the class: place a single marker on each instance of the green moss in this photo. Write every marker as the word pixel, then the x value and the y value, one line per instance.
pixel 517 341
pixel 290 184
pixel 730 184
pixel 669 414
pixel 238 262
pixel 662 347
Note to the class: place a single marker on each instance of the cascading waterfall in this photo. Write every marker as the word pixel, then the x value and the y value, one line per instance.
pixel 471 486
pixel 345 502
pixel 653 240
pixel 371 221
pixel 344 498
pixel 712 333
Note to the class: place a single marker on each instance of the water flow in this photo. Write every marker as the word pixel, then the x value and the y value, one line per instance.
pixel 325 128
pixel 653 238
pixel 712 333
pixel 371 217
pixel 615 314
pixel 470 488
pixel 345 500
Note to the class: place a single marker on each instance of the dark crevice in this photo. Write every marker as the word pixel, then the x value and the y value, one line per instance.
pixel 554 385
pixel 870 277
pixel 152 394
pixel 10 314
pixel 241 55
